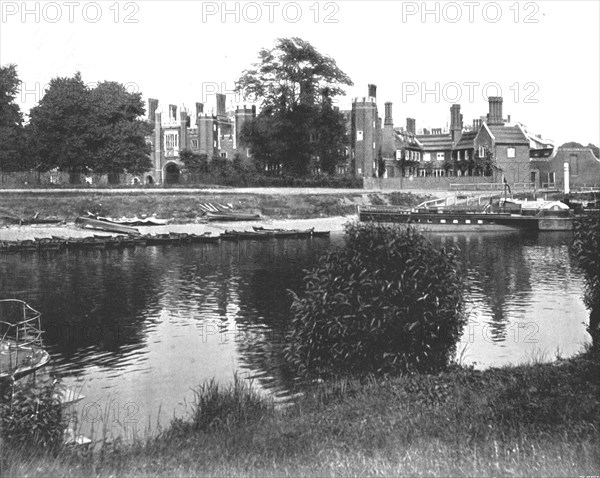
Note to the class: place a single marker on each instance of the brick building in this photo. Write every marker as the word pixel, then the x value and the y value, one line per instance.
pixel 491 148
pixel 214 134
pixel 584 168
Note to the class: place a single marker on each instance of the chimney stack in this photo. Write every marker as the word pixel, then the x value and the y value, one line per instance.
pixel 152 107
pixel 388 114
pixel 199 109
pixel 172 113
pixel 456 124
pixel 494 117
pixel 411 126
pixel 221 104
pixel 372 91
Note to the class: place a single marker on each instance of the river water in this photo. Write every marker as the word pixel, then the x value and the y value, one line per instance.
pixel 136 330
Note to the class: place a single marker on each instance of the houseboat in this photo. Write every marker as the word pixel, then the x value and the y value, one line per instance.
pixel 502 215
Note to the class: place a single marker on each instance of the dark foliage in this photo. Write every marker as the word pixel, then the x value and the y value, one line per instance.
pixel 586 249
pixel 11 121
pixel 298 128
pixel 81 129
pixel 33 417
pixel 388 301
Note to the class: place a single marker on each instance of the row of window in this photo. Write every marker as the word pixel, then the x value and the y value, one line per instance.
pixel 441 156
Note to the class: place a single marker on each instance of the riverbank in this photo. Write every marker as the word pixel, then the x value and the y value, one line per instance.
pixel 530 420
pixel 185 206
pixel 21 233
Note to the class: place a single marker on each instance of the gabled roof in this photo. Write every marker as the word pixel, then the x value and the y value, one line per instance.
pixel 407 138
pixel 435 142
pixel 508 135
pixel 466 140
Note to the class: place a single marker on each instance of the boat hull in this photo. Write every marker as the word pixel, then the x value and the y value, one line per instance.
pixel 448 221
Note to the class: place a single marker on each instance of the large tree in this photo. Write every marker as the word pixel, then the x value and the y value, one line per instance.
pixel 295 85
pixel 77 128
pixel 11 121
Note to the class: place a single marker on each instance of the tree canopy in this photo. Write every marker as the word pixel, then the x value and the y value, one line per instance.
pixel 11 121
pixel 297 124
pixel 76 128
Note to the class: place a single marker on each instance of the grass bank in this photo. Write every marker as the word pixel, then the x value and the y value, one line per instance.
pixel 184 206
pixel 530 420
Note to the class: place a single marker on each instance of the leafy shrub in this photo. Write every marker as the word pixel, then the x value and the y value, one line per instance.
pixel 388 301
pixel 33 416
pixel 586 249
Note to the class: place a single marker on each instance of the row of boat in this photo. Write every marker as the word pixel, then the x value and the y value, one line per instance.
pixel 56 243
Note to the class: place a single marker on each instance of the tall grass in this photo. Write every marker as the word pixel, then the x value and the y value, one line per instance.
pixel 531 420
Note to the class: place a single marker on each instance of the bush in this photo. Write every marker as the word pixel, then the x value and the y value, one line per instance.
pixel 388 301
pixel 586 249
pixel 33 417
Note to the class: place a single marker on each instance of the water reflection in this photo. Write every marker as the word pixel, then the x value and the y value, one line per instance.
pixel 524 296
pixel 138 328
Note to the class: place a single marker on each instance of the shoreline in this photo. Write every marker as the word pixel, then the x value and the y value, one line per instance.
pixel 70 229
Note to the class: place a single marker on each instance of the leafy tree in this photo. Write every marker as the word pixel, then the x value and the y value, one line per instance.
pixel 332 137
pixel 118 136
pixel 76 128
pixel 296 85
pixel 195 163
pixel 11 121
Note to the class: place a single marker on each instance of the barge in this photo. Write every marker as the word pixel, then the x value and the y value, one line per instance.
pixel 505 216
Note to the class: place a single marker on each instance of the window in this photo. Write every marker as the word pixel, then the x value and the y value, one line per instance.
pixel 224 155
pixel 510 152
pixel 194 144
pixel 426 156
pixel 574 165
pixel 440 156
pixel 359 135
pixel 458 155
pixel 171 143
pixel 481 151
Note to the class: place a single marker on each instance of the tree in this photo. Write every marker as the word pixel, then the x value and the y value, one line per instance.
pixel 118 137
pixel 57 133
pixel 332 137
pixel 76 128
pixel 296 85
pixel 195 163
pixel 11 121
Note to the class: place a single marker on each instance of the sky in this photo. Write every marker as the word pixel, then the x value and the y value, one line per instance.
pixel 542 57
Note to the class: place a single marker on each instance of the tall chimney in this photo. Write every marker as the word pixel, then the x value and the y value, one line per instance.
pixel 221 104
pixel 152 106
pixel 372 91
pixel 411 126
pixel 495 112
pixel 388 114
pixel 456 125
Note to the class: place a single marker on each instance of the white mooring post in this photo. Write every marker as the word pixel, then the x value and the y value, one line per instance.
pixel 566 175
